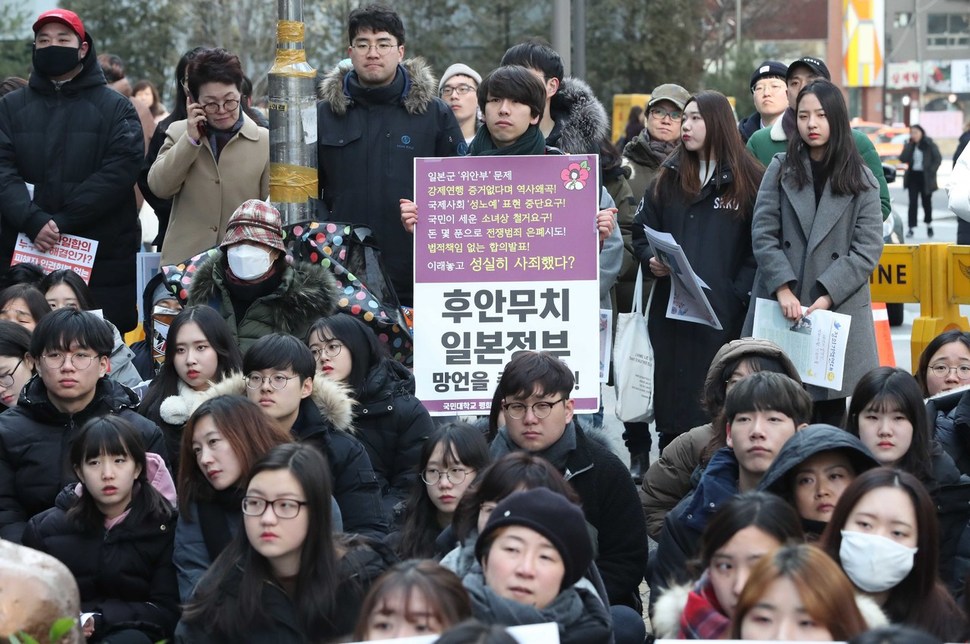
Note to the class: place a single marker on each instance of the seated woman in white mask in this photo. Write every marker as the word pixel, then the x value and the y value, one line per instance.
pixel 253 286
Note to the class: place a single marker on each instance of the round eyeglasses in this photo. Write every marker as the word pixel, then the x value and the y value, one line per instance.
pixel 455 475
pixel 942 371
pixel 330 349
pixel 56 360
pixel 6 380
pixel 540 409
pixel 229 106
pixel 277 381
pixel 254 506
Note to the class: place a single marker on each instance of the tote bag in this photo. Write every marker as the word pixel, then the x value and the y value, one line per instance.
pixel 633 361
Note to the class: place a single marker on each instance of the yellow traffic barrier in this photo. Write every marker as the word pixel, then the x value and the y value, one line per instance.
pixel 935 275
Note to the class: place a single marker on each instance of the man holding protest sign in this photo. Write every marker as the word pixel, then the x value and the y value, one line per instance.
pixel 70 150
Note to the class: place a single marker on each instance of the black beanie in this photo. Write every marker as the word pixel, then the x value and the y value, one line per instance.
pixel 554 517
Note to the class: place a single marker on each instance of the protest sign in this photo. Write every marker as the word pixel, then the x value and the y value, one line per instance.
pixel 71 252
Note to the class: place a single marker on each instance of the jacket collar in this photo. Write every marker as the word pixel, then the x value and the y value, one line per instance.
pixel 816 221
pixel 581 121
pixel 420 87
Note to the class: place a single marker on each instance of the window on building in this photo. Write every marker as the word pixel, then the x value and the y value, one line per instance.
pixel 948 30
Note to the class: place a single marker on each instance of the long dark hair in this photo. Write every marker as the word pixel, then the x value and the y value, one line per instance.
pixel 937 343
pixel 462 444
pixel 112 435
pixel 761 510
pixel 85 300
pixel 513 472
pixel 842 163
pixel 920 599
pixel 219 335
pixel 723 144
pixel 315 597
pixel 365 349
pixel 892 389
pixel 249 432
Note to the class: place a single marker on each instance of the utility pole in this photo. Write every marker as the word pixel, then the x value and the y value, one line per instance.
pixel 560 33
pixel 292 119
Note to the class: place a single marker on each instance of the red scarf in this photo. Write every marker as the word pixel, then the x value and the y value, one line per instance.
pixel 703 618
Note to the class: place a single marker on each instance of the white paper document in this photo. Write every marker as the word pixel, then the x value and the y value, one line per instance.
pixel 816 343
pixel 687 300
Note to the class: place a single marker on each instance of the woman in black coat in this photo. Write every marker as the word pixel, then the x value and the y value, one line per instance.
pixel 114 530
pixel 391 422
pixel 703 195
pixel 923 159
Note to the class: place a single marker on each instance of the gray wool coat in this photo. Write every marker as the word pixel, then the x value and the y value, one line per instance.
pixel 830 249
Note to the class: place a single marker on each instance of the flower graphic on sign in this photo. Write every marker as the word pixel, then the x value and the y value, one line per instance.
pixel 575 175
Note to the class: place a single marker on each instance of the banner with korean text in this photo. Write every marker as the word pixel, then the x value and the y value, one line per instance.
pixel 506 260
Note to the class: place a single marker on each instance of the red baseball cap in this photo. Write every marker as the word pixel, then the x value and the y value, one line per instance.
pixel 63 16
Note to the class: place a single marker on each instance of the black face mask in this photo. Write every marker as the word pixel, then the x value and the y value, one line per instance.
pixel 53 61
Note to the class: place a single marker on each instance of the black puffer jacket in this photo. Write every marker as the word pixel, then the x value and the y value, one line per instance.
pixel 393 426
pixel 368 140
pixel 581 121
pixel 35 446
pixel 325 422
pixel 125 573
pixel 81 146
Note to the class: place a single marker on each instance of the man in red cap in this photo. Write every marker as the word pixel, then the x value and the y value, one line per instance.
pixel 70 149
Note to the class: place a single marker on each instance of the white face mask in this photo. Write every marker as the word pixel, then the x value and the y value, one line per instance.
pixel 873 563
pixel 248 262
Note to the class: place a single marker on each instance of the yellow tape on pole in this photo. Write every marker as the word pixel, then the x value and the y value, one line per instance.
pixel 291 183
pixel 290 31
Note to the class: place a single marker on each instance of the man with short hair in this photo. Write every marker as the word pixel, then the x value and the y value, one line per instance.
pixel 458 88
pixel 768 89
pixel 372 122
pixel 71 351
pixel 767 142
pixel 761 412
pixel 70 150
pixel 534 394
pixel 281 378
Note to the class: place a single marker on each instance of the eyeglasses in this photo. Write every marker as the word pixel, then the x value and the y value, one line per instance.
pixel 461 90
pixel 55 360
pixel 254 506
pixel 768 88
pixel 659 113
pixel 277 381
pixel 455 475
pixel 6 379
pixel 942 371
pixel 229 106
pixel 330 349
pixel 541 409
pixel 383 48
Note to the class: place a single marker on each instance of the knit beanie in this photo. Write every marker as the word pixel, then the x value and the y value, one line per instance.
pixel 459 69
pixel 554 517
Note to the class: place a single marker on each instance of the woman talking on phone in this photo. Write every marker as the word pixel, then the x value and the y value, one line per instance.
pixel 211 162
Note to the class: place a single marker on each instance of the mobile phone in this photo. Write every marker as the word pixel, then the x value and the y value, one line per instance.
pixel 204 122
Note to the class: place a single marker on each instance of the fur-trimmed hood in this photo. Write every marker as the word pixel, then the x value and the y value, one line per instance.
pixel 420 86
pixel 308 291
pixel 331 398
pixel 669 608
pixel 581 121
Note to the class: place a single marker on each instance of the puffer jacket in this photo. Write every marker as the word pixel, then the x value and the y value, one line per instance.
pixel 80 144
pixel 683 525
pixel 307 292
pixel 669 479
pixel 393 425
pixel 368 140
pixel 325 421
pixel 124 573
pixel 35 447
pixel 580 119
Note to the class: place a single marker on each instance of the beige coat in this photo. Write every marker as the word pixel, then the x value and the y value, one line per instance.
pixel 206 194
